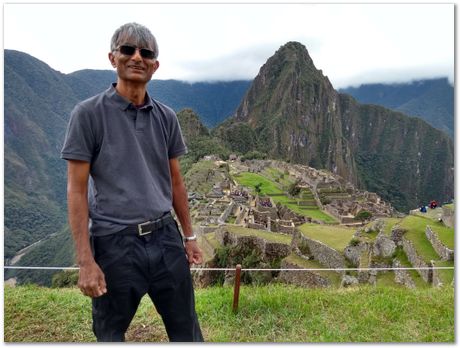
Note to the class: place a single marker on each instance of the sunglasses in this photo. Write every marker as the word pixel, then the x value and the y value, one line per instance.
pixel 130 50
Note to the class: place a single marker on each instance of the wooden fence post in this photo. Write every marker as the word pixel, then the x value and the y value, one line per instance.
pixel 236 289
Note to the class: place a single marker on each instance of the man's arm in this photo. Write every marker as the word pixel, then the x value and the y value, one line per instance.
pixel 91 279
pixel 180 204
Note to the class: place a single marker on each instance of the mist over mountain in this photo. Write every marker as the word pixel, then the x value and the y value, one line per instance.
pixel 292 112
pixel 431 100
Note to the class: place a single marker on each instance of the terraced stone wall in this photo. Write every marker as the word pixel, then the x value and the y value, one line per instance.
pixel 444 252
pixel 417 261
pixel 326 255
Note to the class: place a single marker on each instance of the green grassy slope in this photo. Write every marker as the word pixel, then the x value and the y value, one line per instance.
pixel 275 313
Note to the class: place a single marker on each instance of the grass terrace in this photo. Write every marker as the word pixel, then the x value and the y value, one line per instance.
pixel 333 236
pixel 211 238
pixel 389 223
pixel 401 256
pixel 275 174
pixel 446 234
pixel 250 180
pixel 415 227
pixel 446 275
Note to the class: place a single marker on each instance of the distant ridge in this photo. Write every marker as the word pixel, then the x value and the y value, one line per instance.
pixel 431 99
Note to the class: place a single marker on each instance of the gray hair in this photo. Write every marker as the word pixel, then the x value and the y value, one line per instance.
pixel 141 35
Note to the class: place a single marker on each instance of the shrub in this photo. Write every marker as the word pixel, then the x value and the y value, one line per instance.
pixel 354 241
pixel 363 215
pixel 65 279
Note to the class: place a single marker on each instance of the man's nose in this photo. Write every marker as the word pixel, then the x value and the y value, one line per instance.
pixel 137 55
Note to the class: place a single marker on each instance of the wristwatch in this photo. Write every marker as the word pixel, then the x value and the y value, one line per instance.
pixel 189 239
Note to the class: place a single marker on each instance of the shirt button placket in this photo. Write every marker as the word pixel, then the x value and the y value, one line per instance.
pixel 140 120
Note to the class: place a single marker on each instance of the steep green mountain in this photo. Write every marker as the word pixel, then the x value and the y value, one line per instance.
pixel 37 100
pixel 432 100
pixel 213 101
pixel 292 112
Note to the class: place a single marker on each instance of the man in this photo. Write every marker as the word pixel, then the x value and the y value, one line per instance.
pixel 122 149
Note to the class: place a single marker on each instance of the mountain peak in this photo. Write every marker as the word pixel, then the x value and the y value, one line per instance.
pixel 294 52
pixel 293 46
pixel 287 75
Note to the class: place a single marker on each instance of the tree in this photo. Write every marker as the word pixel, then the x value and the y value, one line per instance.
pixel 363 215
pixel 294 188
pixel 257 187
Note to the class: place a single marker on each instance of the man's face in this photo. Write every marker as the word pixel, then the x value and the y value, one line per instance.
pixel 133 68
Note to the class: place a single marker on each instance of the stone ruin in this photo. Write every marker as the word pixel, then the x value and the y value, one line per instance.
pixel 345 200
pixel 266 215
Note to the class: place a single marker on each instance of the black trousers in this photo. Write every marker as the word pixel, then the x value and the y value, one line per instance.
pixel 133 266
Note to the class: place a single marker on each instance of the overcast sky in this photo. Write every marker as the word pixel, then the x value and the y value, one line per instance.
pixel 351 43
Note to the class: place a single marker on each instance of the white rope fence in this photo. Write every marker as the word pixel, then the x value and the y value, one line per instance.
pixel 258 269
pixel 238 269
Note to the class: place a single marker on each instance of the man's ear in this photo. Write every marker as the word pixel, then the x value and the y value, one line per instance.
pixel 156 65
pixel 112 59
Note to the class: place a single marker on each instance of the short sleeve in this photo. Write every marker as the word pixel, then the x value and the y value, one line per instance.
pixel 176 145
pixel 79 142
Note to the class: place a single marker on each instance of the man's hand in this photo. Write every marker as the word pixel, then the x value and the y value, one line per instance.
pixel 194 253
pixel 91 280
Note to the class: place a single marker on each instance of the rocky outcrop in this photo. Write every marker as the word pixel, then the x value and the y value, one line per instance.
pixel 448 216
pixel 354 253
pixel 348 280
pixel 397 234
pixel 383 246
pixel 444 252
pixel 375 226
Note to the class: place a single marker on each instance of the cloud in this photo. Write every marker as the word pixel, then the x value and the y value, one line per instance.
pixel 239 65
pixel 394 75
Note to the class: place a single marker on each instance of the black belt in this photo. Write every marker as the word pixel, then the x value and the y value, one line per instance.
pixel 148 227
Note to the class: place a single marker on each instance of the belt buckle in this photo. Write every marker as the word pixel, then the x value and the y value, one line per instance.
pixel 139 228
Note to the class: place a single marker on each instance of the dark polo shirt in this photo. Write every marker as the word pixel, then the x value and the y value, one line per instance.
pixel 129 150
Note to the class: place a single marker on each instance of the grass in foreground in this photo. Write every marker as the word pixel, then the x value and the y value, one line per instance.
pixel 275 313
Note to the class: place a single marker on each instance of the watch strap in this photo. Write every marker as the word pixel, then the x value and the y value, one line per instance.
pixel 190 238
